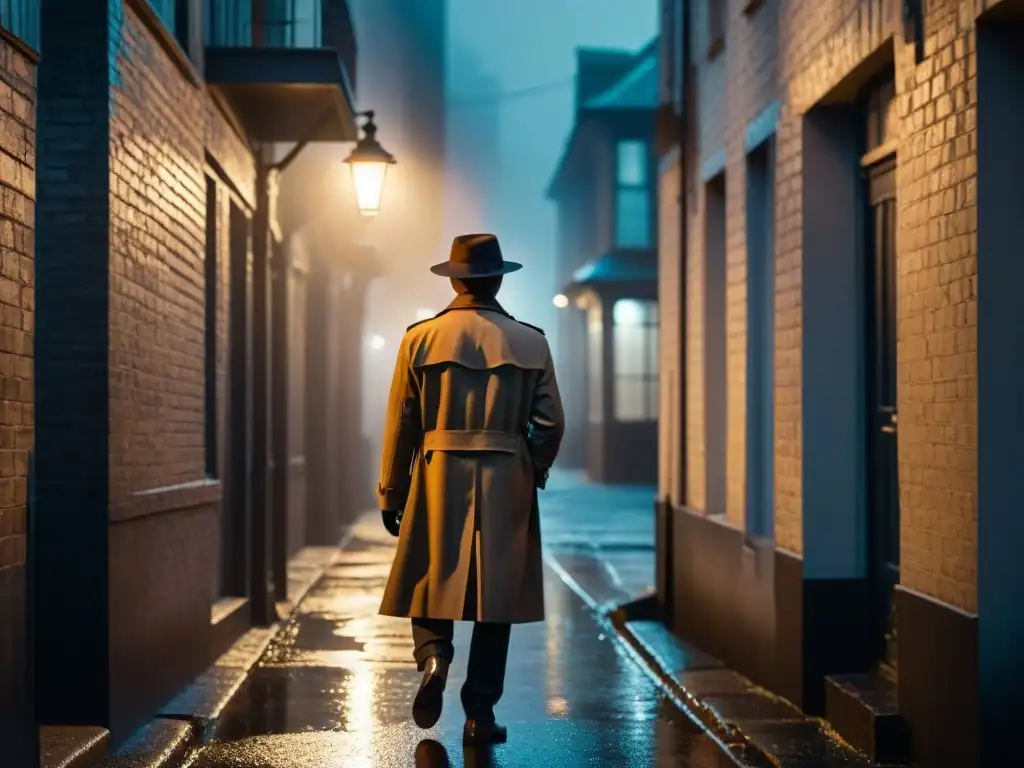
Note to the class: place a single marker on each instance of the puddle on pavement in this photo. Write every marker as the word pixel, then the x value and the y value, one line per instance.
pixel 336 690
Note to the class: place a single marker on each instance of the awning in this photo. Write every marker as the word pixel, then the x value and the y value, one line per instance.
pixel 285 94
pixel 619 269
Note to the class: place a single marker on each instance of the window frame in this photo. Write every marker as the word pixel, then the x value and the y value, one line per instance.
pixel 643 185
pixel 648 377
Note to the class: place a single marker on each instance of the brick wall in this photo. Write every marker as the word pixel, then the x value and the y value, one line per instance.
pixel 17 294
pixel 733 87
pixel 936 247
pixel 819 43
pixel 158 139
pixel 17 312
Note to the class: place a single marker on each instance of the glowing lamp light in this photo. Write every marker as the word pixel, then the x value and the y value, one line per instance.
pixel 369 163
pixel 424 314
pixel 377 342
pixel 561 301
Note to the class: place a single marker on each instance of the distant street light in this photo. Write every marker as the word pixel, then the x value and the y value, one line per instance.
pixel 377 342
pixel 369 163
pixel 561 301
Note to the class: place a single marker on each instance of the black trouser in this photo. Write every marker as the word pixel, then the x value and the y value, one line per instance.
pixel 488 655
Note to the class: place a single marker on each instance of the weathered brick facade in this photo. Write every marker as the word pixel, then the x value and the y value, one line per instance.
pixel 804 55
pixel 17 320
pixel 816 46
pixel 158 171
pixel 17 293
pixel 128 141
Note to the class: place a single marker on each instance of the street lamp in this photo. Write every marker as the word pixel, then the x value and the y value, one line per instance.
pixel 561 301
pixel 369 163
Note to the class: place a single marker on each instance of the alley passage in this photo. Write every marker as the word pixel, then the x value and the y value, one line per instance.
pixel 335 688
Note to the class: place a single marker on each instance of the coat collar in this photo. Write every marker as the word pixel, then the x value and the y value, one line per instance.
pixel 468 301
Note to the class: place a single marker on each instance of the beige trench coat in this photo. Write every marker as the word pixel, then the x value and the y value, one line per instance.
pixel 474 412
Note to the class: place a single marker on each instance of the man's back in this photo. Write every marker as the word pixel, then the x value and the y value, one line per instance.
pixel 476 370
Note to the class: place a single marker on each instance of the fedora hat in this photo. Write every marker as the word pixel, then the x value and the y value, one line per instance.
pixel 476 255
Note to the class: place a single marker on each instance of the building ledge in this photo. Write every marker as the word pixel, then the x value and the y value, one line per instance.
pixel 285 94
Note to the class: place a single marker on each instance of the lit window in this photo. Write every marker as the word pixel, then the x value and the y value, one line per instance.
pixel 633 196
pixel 595 367
pixel 635 340
pixel 632 163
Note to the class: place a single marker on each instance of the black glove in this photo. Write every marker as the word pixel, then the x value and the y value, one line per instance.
pixel 392 520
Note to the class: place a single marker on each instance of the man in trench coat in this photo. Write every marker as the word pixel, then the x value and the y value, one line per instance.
pixel 474 423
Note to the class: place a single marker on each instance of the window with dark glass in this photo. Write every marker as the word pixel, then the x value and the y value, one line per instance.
pixel 635 342
pixel 633 196
pixel 21 18
pixel 210 332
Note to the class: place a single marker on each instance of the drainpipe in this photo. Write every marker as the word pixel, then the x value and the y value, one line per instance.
pixel 269 457
pixel 261 589
pixel 666 554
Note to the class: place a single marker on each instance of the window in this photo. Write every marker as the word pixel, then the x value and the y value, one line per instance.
pixel 21 17
pixel 760 340
pixel 715 381
pixel 595 366
pixel 228 23
pixel 635 340
pixel 715 10
pixel 293 23
pixel 633 197
pixel 210 331
pixel 882 129
pixel 307 19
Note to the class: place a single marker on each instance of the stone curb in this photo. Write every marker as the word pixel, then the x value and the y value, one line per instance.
pixel 730 739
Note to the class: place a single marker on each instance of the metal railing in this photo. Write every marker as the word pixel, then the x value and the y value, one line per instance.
pixel 283 24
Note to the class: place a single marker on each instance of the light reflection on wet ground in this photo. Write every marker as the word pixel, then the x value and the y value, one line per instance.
pixel 336 690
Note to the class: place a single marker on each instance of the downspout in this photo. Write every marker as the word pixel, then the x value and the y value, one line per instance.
pixel 669 506
pixel 685 133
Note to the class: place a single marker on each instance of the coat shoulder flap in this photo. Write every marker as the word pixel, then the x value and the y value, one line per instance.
pixel 483 341
pixel 534 327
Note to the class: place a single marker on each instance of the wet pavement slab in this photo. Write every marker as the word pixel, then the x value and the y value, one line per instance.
pixel 591 686
pixel 335 689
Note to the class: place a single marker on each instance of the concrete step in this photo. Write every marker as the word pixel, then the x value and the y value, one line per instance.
pixel 864 710
pixel 72 746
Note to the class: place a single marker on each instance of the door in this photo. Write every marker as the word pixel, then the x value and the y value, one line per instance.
pixel 883 464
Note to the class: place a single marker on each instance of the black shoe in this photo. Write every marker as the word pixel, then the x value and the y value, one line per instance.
pixel 426 707
pixel 478 732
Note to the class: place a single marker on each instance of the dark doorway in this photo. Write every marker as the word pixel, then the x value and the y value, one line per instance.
pixel 883 456
pixel 234 533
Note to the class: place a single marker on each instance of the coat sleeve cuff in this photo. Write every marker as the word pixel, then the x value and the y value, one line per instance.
pixel 390 498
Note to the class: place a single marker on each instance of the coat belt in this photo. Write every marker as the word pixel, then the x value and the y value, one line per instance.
pixel 471 440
